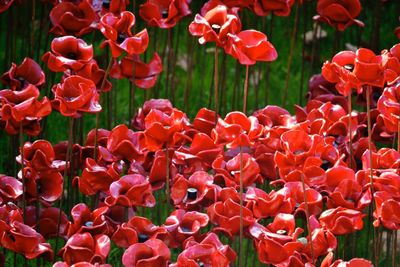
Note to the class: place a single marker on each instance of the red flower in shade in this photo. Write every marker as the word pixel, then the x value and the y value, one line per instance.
pixel 197 190
pixel 5 4
pixel 85 247
pixel 339 14
pixel 164 105
pixel 153 252
pixel 76 95
pixel 389 107
pixel 356 262
pixel 10 189
pixel 209 252
pixel 142 74
pixel 341 221
pixel 164 14
pixel 117 30
pixel 84 220
pixel 45 186
pixel 165 130
pixel 182 224
pixel 215 25
pixel 68 52
pixel 226 216
pixel 340 72
pixel 40 156
pixel 24 107
pixel 250 46
pixel 386 212
pixel 237 130
pixel 277 7
pixel 92 72
pixel 48 223
pixel 131 190
pixel 96 178
pixel 158 169
pixel 23 239
pixel 28 72
pixel 204 121
pixel 369 68
pixel 69 18
pixel 265 205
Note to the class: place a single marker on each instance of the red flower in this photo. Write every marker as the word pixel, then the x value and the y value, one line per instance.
pixel 197 190
pixel 339 14
pixel 131 190
pixel 23 239
pixel 85 247
pixel 237 130
pixel 277 7
pixel 10 189
pixel 19 77
pixel 92 72
pixel 226 216
pixel 84 220
pixel 386 212
pixel 5 4
pixel 369 68
pixel 389 107
pixel 142 74
pixel 117 30
pixel 182 224
pixel 153 252
pixel 341 221
pixel 215 25
pixel 204 121
pixel 76 95
pixel 48 223
pixel 69 18
pixel 250 46
pixel 164 130
pixel 40 156
pixel 68 52
pixel 294 191
pixel 356 262
pixel 164 14
pixel 209 252
pixel 164 105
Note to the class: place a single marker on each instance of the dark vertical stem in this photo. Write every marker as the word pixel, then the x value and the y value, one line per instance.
pixel 290 59
pixel 241 209
pixel 307 217
pixel 268 65
pixel 167 73
pixel 174 53
pixel 336 42
pixel 67 165
pixel 189 61
pixel 394 248
pixel 21 145
pixel 216 84
pixel 303 51
pixel 313 46
pixel 245 90
pixel 31 51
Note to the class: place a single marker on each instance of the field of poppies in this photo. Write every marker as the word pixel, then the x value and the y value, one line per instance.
pixel 199 133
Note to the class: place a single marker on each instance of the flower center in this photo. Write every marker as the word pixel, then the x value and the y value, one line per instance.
pixel 72 55
pixel 349 67
pixel 164 14
pixel 121 37
pixel 192 193
pixel 142 238
pixel 89 224
pixel 106 4
pixel 325 165
pixel 298 152
pixel 216 28
pixel 281 232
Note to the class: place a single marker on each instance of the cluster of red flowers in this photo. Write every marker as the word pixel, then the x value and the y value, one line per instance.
pixel 314 165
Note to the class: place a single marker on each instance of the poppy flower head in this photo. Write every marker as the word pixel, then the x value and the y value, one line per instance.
pixel 28 72
pixel 389 107
pixel 277 7
pixel 153 252
pixel 369 68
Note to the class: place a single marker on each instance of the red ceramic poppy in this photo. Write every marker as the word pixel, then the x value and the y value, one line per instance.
pixel 294 191
pixel 226 216
pixel 197 190
pixel 48 223
pixel 182 224
pixel 369 68
pixel 114 6
pixel 215 25
pixel 96 178
pixel 10 189
pixel 341 221
pixel 237 130
pixel 68 52
pixel 340 72
pixel 356 262
pixel 69 18
pixel 5 4
pixel 85 220
pixel 92 72
pixel 85 247
pixel 144 75
pixel 339 14
pixel 249 47
pixel 76 95
pixel 277 7
pixel 80 264
pixel 28 72
pixel 153 252
pixel 386 212
pixel 117 30
pixel 265 205
pixel 164 130
pixel 389 107
pixel 204 121
pixel 131 190
pixel 163 105
pixel 158 169
pixel 23 239
pixel 209 252
pixel 164 14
